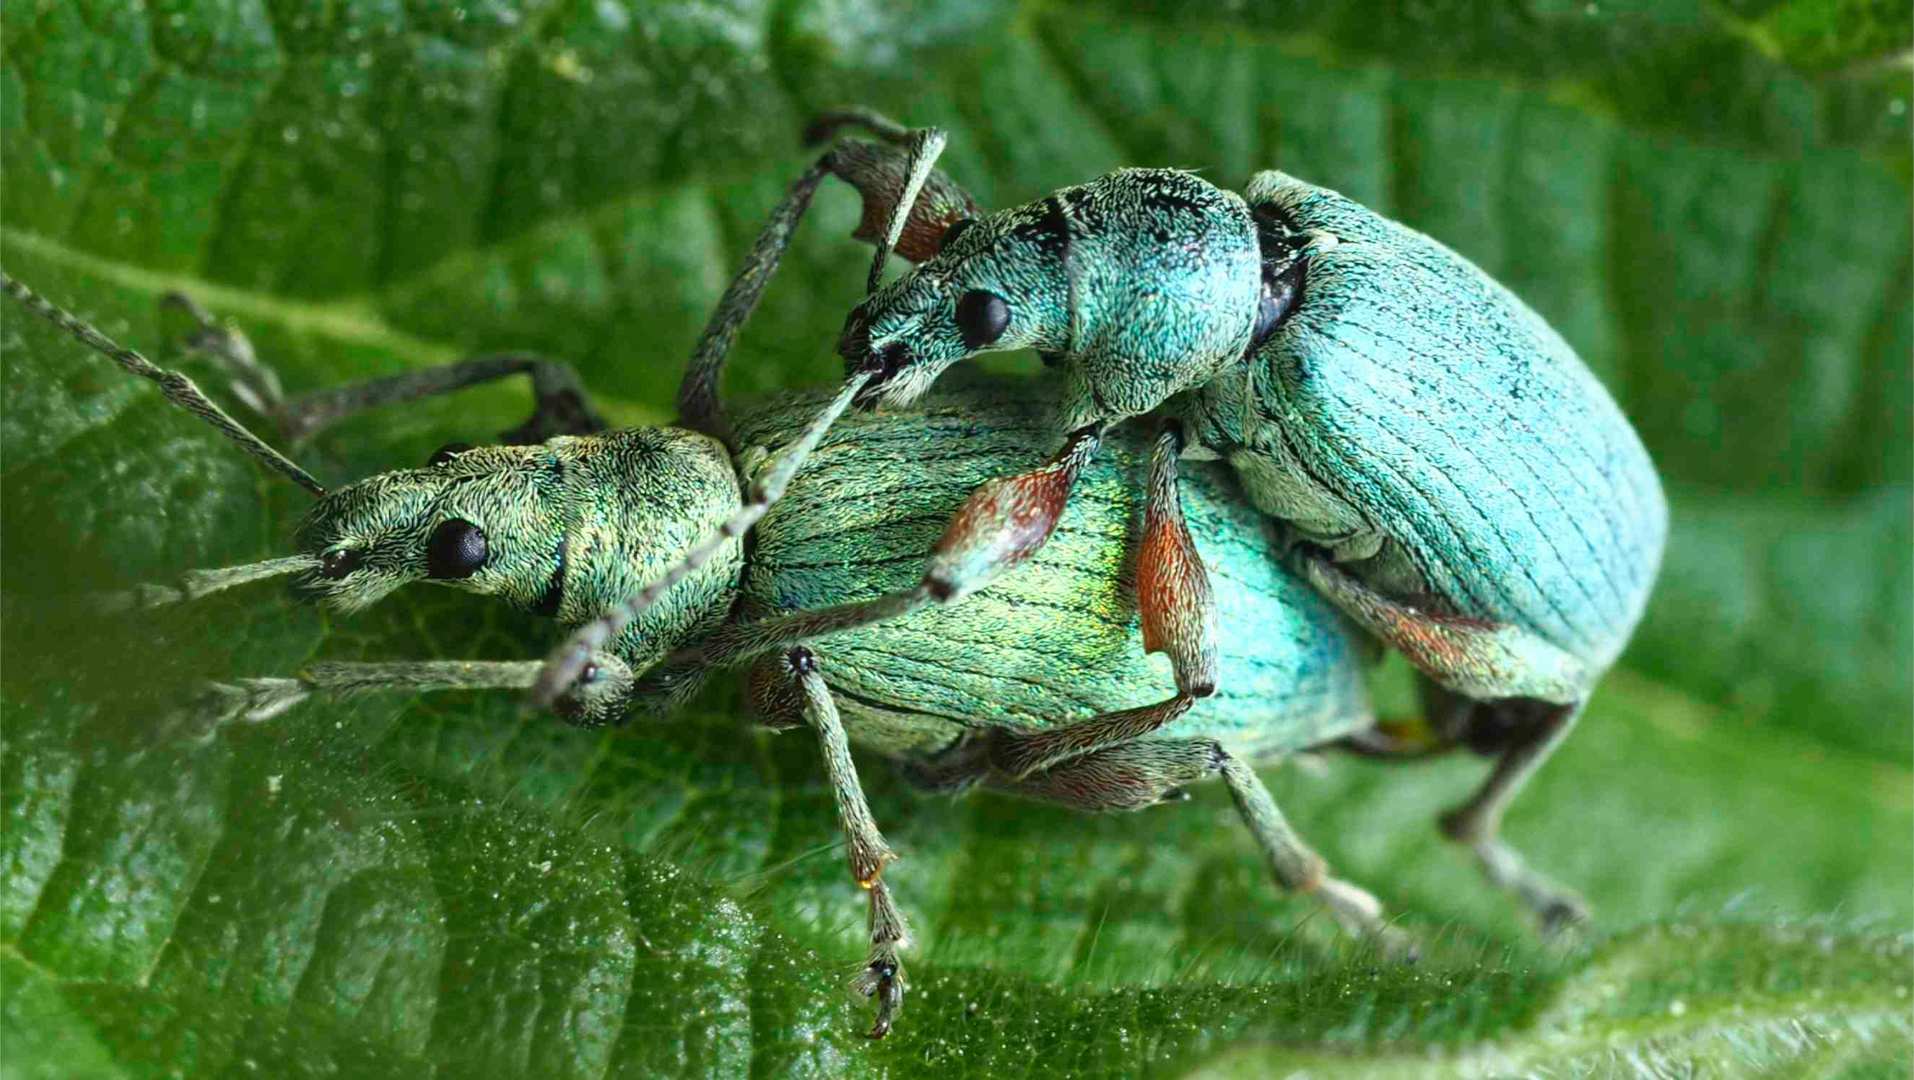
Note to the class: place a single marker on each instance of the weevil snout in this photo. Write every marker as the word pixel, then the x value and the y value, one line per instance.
pixel 883 362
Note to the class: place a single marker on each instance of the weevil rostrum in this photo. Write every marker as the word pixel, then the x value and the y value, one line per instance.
pixel 1037 685
pixel 1446 469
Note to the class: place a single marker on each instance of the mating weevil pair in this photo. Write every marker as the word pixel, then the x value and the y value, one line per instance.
pixel 1444 471
pixel 1445 468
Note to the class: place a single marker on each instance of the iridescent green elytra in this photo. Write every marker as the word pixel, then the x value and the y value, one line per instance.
pixel 1038 685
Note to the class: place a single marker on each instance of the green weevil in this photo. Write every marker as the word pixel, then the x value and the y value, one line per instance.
pixel 1447 470
pixel 1030 686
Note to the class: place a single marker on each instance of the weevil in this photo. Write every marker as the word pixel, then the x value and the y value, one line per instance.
pixel 1446 469
pixel 1038 685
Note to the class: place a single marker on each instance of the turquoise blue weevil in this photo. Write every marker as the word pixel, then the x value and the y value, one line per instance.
pixel 1037 685
pixel 1447 470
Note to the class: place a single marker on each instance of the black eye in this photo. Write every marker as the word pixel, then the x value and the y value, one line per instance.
pixel 982 317
pixel 337 564
pixel 955 230
pixel 456 550
pixel 447 452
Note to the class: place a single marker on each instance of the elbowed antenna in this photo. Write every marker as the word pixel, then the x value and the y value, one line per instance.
pixel 925 147
pixel 566 662
pixel 177 388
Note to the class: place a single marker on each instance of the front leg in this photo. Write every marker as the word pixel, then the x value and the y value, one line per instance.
pixel 883 174
pixel 594 702
pixel 795 687
pixel 560 405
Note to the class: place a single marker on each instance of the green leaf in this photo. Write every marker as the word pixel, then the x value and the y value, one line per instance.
pixel 393 885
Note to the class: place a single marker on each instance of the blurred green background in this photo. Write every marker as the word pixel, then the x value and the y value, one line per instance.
pixel 1711 200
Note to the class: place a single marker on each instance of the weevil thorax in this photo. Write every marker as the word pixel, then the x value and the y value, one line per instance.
pixel 1143 283
pixel 566 529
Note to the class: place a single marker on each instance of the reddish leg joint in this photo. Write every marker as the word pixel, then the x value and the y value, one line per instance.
pixel 1173 590
pixel 1005 521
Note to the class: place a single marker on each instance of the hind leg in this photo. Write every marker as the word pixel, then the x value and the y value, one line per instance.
pixel 1487 661
pixel 1519 734
pixel 1530 731
pixel 1146 772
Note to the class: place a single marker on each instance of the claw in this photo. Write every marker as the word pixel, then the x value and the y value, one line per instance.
pixel 883 980
pixel 1562 916
pixel 1397 945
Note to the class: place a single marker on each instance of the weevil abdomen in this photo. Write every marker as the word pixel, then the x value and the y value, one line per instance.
pixel 1056 640
pixel 1418 419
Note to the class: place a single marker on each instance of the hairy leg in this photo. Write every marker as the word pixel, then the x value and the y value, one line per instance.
pixel 1519 733
pixel 884 174
pixel 1478 659
pixel 1531 730
pixel 560 404
pixel 804 695
pixel 1144 773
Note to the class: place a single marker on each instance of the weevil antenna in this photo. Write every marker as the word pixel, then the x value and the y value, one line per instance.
pixel 565 663
pixel 926 144
pixel 194 584
pixel 177 388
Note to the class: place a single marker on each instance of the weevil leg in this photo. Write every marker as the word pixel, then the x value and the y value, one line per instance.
pixel 882 978
pixel 880 172
pixel 1130 776
pixel 698 406
pixel 254 383
pixel 1144 773
pixel 1006 520
pixel 593 703
pixel 1477 658
pixel 1298 868
pixel 560 405
pixel 1020 755
pixel 1531 731
pixel 1174 600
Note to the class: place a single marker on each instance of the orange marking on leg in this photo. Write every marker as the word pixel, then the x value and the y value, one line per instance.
pixel 1003 523
pixel 1173 589
pixel 877 172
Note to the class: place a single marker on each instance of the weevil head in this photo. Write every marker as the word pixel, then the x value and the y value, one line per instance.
pixel 997 282
pixel 566 529
pixel 484 520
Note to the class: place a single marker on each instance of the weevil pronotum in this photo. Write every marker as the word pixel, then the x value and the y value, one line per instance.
pixel 1448 471
pixel 1037 685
